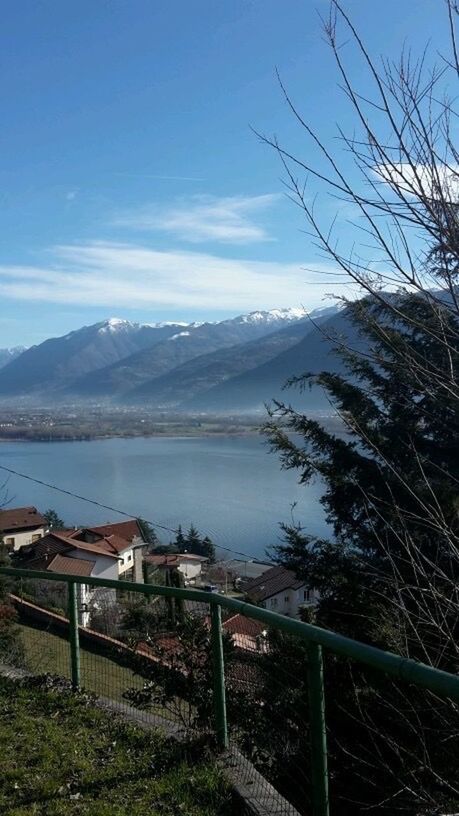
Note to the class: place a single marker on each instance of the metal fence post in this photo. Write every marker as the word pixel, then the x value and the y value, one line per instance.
pixel 73 633
pixel 319 769
pixel 219 675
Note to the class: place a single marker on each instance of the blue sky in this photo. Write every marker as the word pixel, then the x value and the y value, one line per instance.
pixel 131 182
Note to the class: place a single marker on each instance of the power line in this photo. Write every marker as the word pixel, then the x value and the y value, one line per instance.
pixel 156 524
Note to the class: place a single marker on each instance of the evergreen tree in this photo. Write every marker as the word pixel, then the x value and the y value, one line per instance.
pixel 390 480
pixel 208 549
pixel 193 541
pixel 54 521
pixel 389 575
pixel 179 542
pixel 149 534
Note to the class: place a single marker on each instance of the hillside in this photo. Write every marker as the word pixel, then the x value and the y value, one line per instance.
pixel 207 371
pixel 68 757
pixel 59 360
pixel 251 390
pixel 193 341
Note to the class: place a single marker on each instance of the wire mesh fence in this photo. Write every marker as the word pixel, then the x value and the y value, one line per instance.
pixel 157 654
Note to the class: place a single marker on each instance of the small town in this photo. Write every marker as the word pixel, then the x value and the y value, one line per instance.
pixel 126 551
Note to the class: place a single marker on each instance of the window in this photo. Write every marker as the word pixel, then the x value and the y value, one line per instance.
pixel 9 542
pixel 273 602
pixel 129 558
pixel 285 598
pixel 306 595
pixel 36 537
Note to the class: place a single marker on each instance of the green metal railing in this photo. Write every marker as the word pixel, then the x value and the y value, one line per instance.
pixel 440 682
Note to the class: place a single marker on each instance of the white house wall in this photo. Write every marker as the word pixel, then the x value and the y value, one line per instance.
pixel 289 601
pixel 127 561
pixel 22 538
pixel 190 569
pixel 103 567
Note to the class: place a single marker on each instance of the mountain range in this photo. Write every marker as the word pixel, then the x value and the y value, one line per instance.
pixel 231 365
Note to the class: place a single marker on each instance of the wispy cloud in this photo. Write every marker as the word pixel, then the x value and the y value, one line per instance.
pixel 202 218
pixel 129 276
pixel 420 180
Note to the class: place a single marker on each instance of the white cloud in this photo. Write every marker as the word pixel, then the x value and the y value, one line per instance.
pixel 420 180
pixel 125 275
pixel 201 218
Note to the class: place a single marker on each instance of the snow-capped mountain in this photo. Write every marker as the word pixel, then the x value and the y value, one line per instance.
pixel 115 357
pixel 274 316
pixel 60 360
pixel 9 354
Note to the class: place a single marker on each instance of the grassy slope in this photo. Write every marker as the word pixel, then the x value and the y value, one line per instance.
pixel 63 757
pixel 49 653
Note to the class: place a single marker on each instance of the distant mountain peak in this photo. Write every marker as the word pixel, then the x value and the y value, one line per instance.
pixel 114 324
pixel 275 315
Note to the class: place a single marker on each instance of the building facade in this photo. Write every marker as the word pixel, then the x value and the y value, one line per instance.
pixel 21 526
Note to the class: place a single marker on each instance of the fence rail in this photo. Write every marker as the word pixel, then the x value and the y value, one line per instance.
pixel 317 639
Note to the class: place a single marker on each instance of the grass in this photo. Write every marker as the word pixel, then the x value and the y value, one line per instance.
pixel 47 652
pixel 61 756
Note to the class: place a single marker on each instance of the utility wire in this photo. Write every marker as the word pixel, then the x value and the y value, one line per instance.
pixel 112 509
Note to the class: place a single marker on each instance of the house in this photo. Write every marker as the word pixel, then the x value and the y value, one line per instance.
pixel 64 554
pixel 123 539
pixel 236 572
pixel 130 567
pixel 21 526
pixel 279 590
pixel 246 633
pixel 188 564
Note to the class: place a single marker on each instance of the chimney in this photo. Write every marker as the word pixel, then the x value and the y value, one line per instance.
pixel 138 562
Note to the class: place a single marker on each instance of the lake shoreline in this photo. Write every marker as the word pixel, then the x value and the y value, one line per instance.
pixel 159 435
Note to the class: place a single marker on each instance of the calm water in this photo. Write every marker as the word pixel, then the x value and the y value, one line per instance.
pixel 232 489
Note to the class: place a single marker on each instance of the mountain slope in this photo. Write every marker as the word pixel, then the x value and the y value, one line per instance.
pixel 7 355
pixel 195 340
pixel 208 370
pixel 59 360
pixel 251 390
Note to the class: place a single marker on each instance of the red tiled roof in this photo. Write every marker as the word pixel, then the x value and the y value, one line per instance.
pixel 274 580
pixel 124 529
pixel 240 625
pixel 53 543
pixel 114 542
pixel 70 566
pixel 21 518
pixel 111 543
pixel 98 549
pixel 50 544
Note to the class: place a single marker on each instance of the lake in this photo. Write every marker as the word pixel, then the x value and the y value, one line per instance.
pixel 230 488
